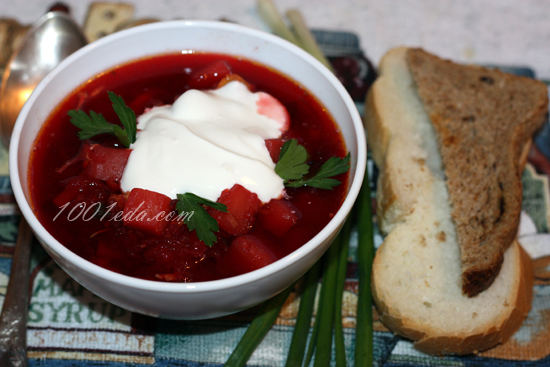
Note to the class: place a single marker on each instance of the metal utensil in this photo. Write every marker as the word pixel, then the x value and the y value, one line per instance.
pixel 54 37
pixel 51 39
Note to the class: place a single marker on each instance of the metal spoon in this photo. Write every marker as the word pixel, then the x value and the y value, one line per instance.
pixel 52 38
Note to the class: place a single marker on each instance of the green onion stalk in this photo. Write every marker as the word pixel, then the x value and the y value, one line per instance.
pixel 298 343
pixel 257 329
pixel 365 256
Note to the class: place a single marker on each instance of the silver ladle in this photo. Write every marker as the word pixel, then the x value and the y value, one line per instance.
pixel 51 39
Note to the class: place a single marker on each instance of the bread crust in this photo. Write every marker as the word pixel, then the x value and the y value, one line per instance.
pixel 396 203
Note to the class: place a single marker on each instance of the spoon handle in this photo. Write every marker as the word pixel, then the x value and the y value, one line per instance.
pixel 13 320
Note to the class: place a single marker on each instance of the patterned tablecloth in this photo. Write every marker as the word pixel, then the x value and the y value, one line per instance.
pixel 69 326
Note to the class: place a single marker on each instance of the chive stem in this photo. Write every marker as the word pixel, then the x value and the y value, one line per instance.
pixel 365 256
pixel 303 320
pixel 325 311
pixel 257 329
pixel 312 341
pixel 300 34
pixel 269 13
pixel 340 348
pixel 305 38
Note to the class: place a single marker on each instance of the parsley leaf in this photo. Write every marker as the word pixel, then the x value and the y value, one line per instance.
pixel 291 164
pixel 126 115
pixel 292 168
pixel 334 166
pixel 95 124
pixel 199 220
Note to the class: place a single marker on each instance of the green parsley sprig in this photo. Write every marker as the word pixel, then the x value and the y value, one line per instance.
pixel 200 220
pixel 292 168
pixel 95 124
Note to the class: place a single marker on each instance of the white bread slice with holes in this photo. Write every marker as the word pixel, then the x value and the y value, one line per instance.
pixel 417 274
pixel 104 18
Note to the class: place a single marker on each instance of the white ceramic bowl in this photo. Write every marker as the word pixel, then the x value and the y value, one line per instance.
pixel 202 299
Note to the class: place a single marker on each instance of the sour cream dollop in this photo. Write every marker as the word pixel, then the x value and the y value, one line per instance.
pixel 207 141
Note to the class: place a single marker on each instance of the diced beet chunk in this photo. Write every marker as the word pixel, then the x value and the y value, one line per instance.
pixel 274 147
pixel 107 164
pixel 82 190
pixel 146 211
pixel 247 253
pixel 150 98
pixel 278 216
pixel 242 207
pixel 210 75
pixel 107 251
pixel 82 156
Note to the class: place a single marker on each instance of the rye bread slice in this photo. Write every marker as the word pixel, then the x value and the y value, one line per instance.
pixel 483 119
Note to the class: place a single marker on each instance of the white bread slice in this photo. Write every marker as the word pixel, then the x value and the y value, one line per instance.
pixel 417 275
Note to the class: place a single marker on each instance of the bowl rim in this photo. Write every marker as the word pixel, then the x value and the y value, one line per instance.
pixel 194 287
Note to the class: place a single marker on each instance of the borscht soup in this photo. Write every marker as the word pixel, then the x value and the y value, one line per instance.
pixel 187 167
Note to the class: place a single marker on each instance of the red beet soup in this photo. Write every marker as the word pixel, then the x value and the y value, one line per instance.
pixel 76 192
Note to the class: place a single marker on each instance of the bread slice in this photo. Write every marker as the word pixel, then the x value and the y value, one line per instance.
pixel 417 271
pixel 483 119
pixel 104 18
